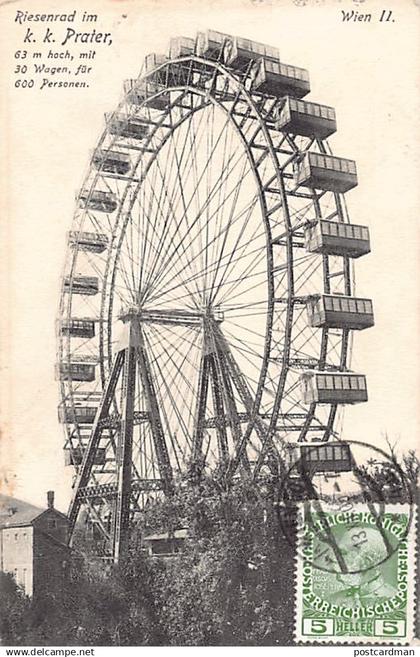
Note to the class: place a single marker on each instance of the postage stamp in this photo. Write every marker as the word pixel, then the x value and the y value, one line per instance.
pixel 355 582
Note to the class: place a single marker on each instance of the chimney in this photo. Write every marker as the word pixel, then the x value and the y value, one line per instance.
pixel 50 499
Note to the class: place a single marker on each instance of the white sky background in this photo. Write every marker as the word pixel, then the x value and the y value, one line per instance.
pixel 368 71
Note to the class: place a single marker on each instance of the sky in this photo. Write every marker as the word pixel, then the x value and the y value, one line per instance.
pixel 366 70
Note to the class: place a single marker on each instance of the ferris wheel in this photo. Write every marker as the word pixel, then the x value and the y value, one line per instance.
pixel 207 303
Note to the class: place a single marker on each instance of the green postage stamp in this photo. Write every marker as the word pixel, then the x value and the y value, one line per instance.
pixel 355 574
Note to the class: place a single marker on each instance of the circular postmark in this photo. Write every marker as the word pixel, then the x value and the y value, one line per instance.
pixel 345 507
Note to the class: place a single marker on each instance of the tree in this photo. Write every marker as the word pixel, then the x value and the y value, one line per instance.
pixel 14 610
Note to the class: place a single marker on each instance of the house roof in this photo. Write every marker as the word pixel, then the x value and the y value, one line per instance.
pixel 17 513
pixel 178 533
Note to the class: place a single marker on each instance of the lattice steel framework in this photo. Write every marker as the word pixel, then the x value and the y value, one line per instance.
pixel 189 236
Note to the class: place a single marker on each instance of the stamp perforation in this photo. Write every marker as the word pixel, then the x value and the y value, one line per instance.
pixel 411 606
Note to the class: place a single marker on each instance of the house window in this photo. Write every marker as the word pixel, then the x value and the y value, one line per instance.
pixel 52 523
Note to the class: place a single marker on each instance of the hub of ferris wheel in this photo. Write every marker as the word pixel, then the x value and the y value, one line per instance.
pixel 207 307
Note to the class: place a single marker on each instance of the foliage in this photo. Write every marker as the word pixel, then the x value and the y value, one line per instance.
pixel 233 583
pixel 94 608
pixel 14 610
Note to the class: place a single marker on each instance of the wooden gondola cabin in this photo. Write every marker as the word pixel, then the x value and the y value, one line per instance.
pixel 307 119
pixel 125 126
pixel 75 372
pixel 333 387
pixel 78 328
pixel 93 242
pixel 152 68
pixel 326 172
pixel 181 47
pixel 337 311
pixel 277 79
pixel 319 457
pixel 152 62
pixel 79 414
pixel 239 52
pixel 98 200
pixel 111 161
pixel 210 44
pixel 334 238
pixel 151 91
pixel 88 285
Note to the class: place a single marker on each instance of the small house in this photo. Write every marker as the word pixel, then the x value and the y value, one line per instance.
pixel 33 543
pixel 165 544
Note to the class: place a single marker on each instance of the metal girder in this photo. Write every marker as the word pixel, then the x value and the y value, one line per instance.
pixel 232 413
pixel 299 427
pixel 89 455
pixel 124 458
pixel 294 231
pixel 114 421
pixel 217 393
pixel 109 490
pixel 159 442
pixel 296 245
pixel 246 397
pixel 130 355
pixel 215 369
pixel 296 300
pixel 200 411
pixel 171 316
pixel 211 422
